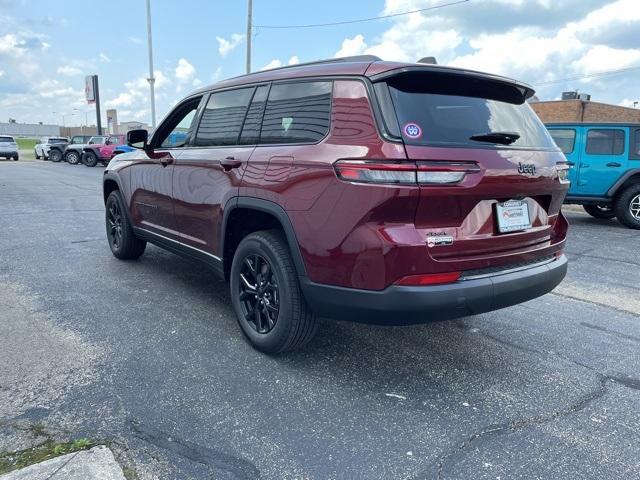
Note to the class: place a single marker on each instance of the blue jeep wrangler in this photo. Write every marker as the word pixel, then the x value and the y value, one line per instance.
pixel 605 168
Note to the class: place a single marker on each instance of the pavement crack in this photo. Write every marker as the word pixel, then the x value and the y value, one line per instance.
pixel 210 457
pixel 611 332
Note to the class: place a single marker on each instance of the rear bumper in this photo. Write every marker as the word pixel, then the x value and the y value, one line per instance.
pixel 400 305
pixel 9 153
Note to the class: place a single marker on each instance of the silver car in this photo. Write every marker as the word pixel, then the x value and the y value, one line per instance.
pixel 8 147
pixel 41 149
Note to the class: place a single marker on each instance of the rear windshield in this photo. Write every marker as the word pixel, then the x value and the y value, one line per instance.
pixel 57 140
pixel 6 139
pixel 432 114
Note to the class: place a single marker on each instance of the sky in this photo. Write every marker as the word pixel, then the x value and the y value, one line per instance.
pixel 47 47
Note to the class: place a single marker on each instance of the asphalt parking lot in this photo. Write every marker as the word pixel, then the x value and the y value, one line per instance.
pixel 147 356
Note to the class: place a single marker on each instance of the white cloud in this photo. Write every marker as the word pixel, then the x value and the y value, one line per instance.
pixel 225 47
pixel 135 40
pixel 184 71
pixel 103 58
pixel 277 63
pixel 601 57
pixel 294 60
pixel 1 73
pixel 68 71
pixel 352 46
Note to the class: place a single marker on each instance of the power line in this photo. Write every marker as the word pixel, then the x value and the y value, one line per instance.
pixel 370 19
pixel 589 75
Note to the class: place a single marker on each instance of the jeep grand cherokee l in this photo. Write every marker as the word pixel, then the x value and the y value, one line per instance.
pixel 352 188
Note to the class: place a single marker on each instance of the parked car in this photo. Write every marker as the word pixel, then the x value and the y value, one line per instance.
pixel 605 168
pixel 124 148
pixel 68 151
pixel 350 188
pixel 41 149
pixel 73 152
pixel 8 148
pixel 101 152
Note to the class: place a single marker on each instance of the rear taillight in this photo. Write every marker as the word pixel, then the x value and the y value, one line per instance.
pixel 430 279
pixel 404 173
pixel 562 168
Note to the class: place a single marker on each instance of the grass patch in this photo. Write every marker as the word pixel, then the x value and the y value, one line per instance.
pixel 26 143
pixel 15 460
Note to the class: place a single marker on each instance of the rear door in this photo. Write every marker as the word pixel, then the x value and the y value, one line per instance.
pixel 207 175
pixel 484 161
pixel 603 161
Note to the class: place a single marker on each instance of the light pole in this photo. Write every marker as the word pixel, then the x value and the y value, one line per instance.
pixel 249 33
pixel 151 78
pixel 86 122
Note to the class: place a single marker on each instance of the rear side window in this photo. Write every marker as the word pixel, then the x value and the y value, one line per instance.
pixel 635 153
pixel 251 130
pixel 605 142
pixel 222 118
pixel 297 113
pixel 565 139
pixel 450 111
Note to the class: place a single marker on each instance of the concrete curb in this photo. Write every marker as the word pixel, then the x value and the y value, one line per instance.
pixel 95 464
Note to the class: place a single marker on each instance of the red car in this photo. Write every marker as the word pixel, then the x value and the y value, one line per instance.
pixel 101 152
pixel 350 188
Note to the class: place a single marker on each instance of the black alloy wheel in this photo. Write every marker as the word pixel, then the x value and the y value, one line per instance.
pixel 114 224
pixel 55 155
pixel 259 293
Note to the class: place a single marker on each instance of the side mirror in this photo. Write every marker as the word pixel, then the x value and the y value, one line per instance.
pixel 107 142
pixel 138 138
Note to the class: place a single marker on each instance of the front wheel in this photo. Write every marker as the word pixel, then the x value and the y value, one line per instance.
pixel 90 159
pixel 602 210
pixel 122 241
pixel 55 155
pixel 266 296
pixel 72 157
pixel 628 207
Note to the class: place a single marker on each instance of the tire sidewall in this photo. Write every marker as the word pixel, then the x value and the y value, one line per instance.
pixel 90 159
pixel 112 198
pixel 275 339
pixel 55 156
pixel 622 207
pixel 75 155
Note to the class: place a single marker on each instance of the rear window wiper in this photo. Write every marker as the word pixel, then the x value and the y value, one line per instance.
pixel 505 138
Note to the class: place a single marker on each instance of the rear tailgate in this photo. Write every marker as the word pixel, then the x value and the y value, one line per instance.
pixel 465 179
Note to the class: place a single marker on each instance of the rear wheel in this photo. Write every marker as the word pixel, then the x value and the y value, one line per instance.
pixel 600 210
pixel 90 159
pixel 122 241
pixel 55 155
pixel 16 158
pixel 628 207
pixel 72 157
pixel 266 296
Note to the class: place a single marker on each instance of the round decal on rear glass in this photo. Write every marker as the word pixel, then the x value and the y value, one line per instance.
pixel 412 130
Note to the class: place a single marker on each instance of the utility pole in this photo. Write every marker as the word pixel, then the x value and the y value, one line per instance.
pixel 151 78
pixel 249 33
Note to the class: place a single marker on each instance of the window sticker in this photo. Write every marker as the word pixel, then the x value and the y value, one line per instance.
pixel 286 123
pixel 412 130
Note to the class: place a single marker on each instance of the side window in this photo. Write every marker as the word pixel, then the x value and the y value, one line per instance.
pixel 175 132
pixel 251 130
pixel 297 113
pixel 605 142
pixel 565 139
pixel 222 118
pixel 635 152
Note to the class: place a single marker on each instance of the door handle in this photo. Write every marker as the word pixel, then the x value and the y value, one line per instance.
pixel 166 161
pixel 229 163
pixel 614 164
pixel 571 164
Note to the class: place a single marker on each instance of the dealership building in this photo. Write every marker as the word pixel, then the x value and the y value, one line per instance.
pixel 580 108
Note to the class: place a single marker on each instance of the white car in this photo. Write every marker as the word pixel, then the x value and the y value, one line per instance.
pixel 8 147
pixel 42 149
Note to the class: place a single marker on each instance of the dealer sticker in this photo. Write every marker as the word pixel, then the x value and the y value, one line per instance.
pixel 439 240
pixel 412 130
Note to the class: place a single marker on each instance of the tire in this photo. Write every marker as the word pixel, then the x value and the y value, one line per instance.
pixel 55 155
pixel 15 159
pixel 600 210
pixel 35 152
pixel 122 241
pixel 90 159
pixel 72 157
pixel 627 207
pixel 293 324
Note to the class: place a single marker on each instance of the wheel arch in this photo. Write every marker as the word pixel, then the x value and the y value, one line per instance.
pixel 629 178
pixel 109 184
pixel 270 215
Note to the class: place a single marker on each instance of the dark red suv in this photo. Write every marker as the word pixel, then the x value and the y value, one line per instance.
pixel 350 188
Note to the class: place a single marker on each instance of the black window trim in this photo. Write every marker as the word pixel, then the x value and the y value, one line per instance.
pixel 573 143
pixel 619 129
pixel 268 85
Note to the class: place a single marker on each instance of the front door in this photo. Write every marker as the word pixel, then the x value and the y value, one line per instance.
pixel 152 173
pixel 208 173
pixel 603 161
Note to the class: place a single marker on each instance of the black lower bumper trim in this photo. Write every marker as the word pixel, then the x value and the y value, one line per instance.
pixel 403 305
